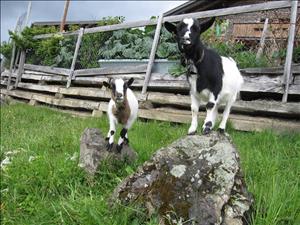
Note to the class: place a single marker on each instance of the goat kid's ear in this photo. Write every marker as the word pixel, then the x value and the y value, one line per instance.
pixel 205 25
pixel 171 27
pixel 130 81
pixel 106 84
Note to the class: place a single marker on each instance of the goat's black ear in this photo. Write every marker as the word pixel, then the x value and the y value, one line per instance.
pixel 205 25
pixel 130 81
pixel 106 84
pixel 170 27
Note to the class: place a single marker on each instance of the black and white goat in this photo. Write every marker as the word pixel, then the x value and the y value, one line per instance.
pixel 217 78
pixel 122 108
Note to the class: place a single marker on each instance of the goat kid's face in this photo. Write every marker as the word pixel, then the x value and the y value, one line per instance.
pixel 118 89
pixel 188 32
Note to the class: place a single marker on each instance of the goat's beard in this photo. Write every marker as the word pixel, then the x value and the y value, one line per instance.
pixel 185 48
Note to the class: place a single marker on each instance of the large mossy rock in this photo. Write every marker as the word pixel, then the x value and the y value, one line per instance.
pixel 93 151
pixel 197 179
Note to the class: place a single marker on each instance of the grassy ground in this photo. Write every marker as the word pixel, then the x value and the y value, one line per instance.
pixel 51 189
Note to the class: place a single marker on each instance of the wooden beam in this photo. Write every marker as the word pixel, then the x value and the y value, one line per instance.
pixel 20 68
pixel 81 32
pixel 253 107
pixel 63 21
pixel 152 54
pixel 210 13
pixel 289 53
pixel 262 40
pixel 11 64
pixel 279 70
pixel 48 69
pixel 107 71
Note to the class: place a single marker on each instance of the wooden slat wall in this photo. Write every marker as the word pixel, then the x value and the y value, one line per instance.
pixel 162 100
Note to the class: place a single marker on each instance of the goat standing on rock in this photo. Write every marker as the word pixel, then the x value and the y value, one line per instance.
pixel 122 108
pixel 217 78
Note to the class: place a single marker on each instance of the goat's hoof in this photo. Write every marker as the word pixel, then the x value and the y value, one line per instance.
pixel 126 141
pixel 206 130
pixel 221 130
pixel 109 146
pixel 192 133
pixel 119 148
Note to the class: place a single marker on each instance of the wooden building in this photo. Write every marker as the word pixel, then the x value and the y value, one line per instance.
pixel 247 26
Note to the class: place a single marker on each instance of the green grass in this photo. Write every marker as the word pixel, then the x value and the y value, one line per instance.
pixel 51 189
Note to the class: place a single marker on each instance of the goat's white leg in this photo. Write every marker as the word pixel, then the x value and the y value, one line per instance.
pixel 195 109
pixel 122 139
pixel 226 113
pixel 211 114
pixel 111 133
pixel 124 134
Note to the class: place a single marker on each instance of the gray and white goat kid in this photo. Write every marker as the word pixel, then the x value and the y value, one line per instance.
pixel 216 79
pixel 122 108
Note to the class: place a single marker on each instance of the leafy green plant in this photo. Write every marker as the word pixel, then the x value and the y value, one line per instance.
pixel 177 70
pixel 137 43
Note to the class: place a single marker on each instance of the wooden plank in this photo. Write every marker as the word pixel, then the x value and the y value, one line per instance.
pixel 262 40
pixel 21 68
pixel 85 92
pixel 107 71
pixel 48 69
pixel 254 107
pixel 289 52
pixel 81 31
pixel 152 53
pixel 68 33
pixel 51 100
pixel 65 102
pixel 55 78
pixel 17 93
pixel 37 73
pixel 204 14
pixel 38 87
pixel 270 70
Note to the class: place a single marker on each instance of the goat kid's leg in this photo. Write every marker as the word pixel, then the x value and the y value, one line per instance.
pixel 111 134
pixel 211 114
pixel 226 113
pixel 122 139
pixel 195 109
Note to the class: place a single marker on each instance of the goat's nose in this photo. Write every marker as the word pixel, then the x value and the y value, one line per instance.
pixel 186 40
pixel 119 95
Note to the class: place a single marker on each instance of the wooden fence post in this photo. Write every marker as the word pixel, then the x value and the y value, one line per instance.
pixel 289 53
pixel 262 40
pixel 21 67
pixel 81 31
pixel 12 61
pixel 152 54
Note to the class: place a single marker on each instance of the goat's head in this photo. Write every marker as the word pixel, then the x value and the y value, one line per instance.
pixel 118 88
pixel 188 31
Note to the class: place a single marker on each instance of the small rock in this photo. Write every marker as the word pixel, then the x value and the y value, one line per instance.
pixel 93 151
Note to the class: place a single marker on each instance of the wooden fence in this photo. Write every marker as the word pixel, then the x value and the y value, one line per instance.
pixel 164 97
